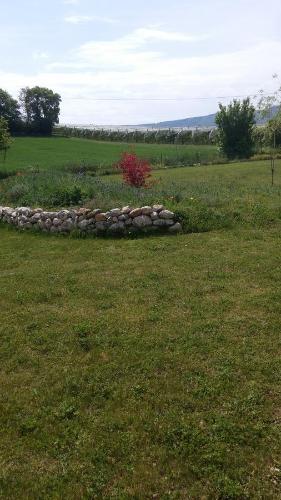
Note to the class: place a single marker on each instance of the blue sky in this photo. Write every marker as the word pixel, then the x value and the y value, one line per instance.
pixel 180 49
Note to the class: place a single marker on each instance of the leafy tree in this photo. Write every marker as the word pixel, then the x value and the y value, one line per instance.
pixel 273 127
pixel 9 109
pixel 236 129
pixel 41 108
pixel 5 136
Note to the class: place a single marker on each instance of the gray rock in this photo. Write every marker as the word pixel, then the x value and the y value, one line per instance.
pixel 83 224
pixel 48 223
pixel 169 222
pixel 24 211
pixel 123 217
pixel 101 226
pixel 63 214
pixel 96 212
pixel 142 221
pixel 126 210
pixel 166 214
pixel 23 218
pixel 36 217
pixel 117 227
pixel 115 212
pixel 176 228
pixel 66 225
pixel 159 222
pixel 57 222
pixel 154 215
pixel 158 208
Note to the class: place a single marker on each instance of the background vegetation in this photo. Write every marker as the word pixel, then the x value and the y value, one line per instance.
pixel 56 153
pixel 205 197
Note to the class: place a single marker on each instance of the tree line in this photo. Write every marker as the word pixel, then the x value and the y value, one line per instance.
pixel 35 112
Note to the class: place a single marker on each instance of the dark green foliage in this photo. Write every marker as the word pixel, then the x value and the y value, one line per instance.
pixel 236 129
pixel 67 196
pixel 9 109
pixel 4 174
pixel 41 108
pixel 5 136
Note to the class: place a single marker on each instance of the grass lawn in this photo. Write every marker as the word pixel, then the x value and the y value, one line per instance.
pixel 149 367
pixel 55 152
pixel 146 368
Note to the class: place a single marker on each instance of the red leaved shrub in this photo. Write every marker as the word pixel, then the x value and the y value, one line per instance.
pixel 136 171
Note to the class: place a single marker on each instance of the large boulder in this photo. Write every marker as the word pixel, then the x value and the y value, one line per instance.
pixel 166 214
pixel 142 221
pixel 175 228
pixel 135 212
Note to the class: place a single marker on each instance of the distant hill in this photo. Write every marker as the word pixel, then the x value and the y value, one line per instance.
pixel 207 121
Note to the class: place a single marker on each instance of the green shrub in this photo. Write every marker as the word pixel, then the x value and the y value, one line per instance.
pixel 17 192
pixel 67 196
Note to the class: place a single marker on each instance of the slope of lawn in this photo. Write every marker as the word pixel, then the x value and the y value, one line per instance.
pixel 144 368
pixel 208 197
pixel 55 152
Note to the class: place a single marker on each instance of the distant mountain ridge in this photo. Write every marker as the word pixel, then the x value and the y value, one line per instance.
pixel 207 121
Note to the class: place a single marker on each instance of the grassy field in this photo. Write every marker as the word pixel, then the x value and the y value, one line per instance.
pixel 56 152
pixel 145 368
pixel 148 367
pixel 208 197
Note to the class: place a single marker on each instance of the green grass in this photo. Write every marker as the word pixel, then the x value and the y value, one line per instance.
pixel 56 152
pixel 145 368
pixel 207 197
pixel 148 367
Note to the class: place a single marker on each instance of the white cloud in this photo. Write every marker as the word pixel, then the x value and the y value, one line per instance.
pixel 128 51
pixel 71 2
pixel 38 55
pixel 129 67
pixel 146 34
pixel 78 19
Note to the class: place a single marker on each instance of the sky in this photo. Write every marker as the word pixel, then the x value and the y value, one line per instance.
pixel 130 62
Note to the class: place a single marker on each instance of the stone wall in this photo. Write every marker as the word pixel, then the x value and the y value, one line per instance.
pixel 126 220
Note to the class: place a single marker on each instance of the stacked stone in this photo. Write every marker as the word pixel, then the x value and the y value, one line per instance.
pixel 116 221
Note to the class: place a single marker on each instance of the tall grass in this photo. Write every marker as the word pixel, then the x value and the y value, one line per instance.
pixel 204 197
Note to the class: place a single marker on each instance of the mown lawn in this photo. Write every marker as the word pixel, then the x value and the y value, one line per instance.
pixel 143 368
pixel 56 152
